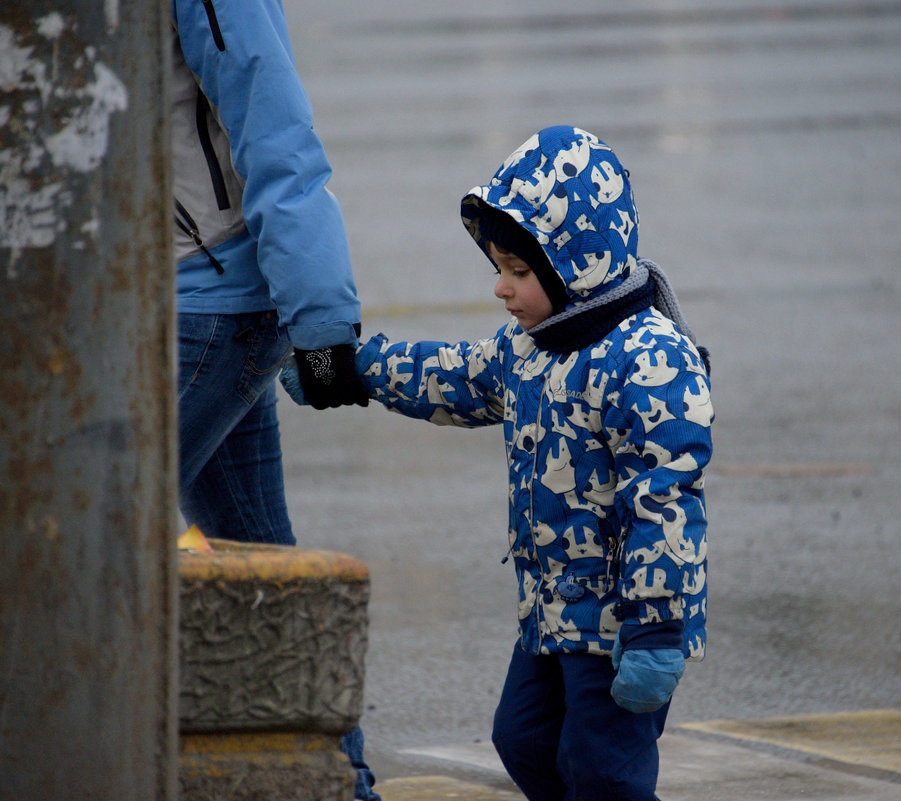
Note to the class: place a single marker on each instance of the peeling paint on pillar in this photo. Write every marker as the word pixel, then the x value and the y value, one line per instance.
pixel 79 110
pixel 87 439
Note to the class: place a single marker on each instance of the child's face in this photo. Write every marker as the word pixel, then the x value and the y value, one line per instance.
pixel 519 288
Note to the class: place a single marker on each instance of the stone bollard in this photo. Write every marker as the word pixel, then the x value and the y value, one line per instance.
pixel 272 646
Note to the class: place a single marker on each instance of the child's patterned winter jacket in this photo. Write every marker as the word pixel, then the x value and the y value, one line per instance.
pixel 606 410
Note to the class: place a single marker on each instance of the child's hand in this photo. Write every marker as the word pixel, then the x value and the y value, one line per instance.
pixel 290 379
pixel 645 677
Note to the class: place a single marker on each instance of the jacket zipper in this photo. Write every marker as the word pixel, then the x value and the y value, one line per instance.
pixel 512 544
pixel 532 504
pixel 206 144
pixel 187 224
pixel 612 548
pixel 214 25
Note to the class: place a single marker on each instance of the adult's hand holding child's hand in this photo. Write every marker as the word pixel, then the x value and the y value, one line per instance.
pixel 645 677
pixel 325 378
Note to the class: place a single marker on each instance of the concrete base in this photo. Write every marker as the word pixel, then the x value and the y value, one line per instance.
pixel 272 646
pixel 280 767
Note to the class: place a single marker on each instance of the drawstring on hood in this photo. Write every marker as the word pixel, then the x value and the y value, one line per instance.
pixel 566 190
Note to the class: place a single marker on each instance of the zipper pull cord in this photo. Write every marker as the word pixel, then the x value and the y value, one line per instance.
pixel 190 228
pixel 611 551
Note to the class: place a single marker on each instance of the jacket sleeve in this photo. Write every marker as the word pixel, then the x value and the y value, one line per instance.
pixel 458 385
pixel 241 53
pixel 659 427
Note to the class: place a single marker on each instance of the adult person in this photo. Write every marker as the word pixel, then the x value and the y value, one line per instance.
pixel 263 268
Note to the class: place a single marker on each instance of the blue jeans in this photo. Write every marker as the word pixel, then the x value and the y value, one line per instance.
pixel 562 737
pixel 231 482
pixel 230 478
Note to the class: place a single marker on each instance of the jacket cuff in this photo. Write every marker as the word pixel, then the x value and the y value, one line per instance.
pixel 634 635
pixel 325 335
pixel 653 610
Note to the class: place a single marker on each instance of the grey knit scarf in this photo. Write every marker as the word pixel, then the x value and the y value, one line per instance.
pixel 621 302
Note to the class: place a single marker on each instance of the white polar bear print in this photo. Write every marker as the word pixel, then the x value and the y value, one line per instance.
pixel 657 413
pixel 608 182
pixel 625 228
pixel 517 155
pixel 653 369
pixel 584 224
pixel 694 579
pixel 570 163
pixel 543 534
pixel 534 192
pixel 696 403
pixel 650 584
pixel 597 266
pixel 559 476
pixel 552 213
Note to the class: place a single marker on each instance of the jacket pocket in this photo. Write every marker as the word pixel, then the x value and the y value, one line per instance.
pixel 187 224
pixel 202 114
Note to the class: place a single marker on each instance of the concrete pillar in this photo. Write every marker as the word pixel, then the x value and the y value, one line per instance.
pixel 273 640
pixel 88 597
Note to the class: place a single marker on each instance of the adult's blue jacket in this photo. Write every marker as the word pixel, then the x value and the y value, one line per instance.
pixel 607 440
pixel 257 227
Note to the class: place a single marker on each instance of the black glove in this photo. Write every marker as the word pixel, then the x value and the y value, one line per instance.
pixel 328 377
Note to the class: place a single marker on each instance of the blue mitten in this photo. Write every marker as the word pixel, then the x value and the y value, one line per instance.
pixel 645 677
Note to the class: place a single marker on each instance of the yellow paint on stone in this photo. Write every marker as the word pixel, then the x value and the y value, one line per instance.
pixel 238 561
pixel 255 742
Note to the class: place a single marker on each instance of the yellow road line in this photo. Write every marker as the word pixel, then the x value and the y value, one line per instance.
pixel 409 309
pixel 869 739
pixel 441 788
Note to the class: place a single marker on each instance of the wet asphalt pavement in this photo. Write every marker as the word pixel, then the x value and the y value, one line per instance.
pixel 763 143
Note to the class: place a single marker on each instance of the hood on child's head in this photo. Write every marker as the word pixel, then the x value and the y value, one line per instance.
pixel 567 189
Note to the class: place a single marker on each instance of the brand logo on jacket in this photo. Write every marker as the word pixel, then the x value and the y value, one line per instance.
pixel 561 393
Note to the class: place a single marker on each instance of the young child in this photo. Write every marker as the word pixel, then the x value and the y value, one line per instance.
pixel 605 405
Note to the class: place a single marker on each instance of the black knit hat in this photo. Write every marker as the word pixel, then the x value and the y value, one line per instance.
pixel 500 228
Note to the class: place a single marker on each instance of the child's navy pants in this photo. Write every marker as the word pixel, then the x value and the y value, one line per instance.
pixel 562 737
